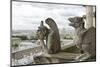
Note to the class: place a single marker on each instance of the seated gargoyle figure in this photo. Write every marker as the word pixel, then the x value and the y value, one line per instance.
pixel 42 32
pixel 53 38
pixel 51 35
pixel 85 38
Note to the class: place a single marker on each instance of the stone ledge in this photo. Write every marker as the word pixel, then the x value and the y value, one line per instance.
pixel 62 55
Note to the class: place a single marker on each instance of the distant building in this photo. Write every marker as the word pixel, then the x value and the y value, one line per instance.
pixel 16 40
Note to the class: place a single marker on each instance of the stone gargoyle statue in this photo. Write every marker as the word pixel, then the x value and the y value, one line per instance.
pixel 51 35
pixel 85 38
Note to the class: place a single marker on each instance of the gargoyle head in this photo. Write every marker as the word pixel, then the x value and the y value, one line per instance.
pixel 76 21
pixel 42 31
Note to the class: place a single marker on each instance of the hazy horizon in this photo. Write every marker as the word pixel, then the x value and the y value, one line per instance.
pixel 27 16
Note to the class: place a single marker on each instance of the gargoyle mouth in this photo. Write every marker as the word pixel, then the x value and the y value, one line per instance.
pixel 71 22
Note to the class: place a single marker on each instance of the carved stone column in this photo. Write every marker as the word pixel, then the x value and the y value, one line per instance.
pixel 89 16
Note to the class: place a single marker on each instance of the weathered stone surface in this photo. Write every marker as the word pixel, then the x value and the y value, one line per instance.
pixel 62 55
pixel 42 33
pixel 53 38
pixel 85 38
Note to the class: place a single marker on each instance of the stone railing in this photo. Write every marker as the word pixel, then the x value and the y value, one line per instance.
pixel 20 53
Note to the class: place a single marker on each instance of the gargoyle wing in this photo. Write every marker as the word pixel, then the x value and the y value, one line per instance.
pixel 89 35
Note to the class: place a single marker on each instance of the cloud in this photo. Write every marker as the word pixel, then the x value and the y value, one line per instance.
pixel 29 15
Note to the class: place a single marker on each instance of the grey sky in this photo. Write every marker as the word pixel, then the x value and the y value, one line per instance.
pixel 27 16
